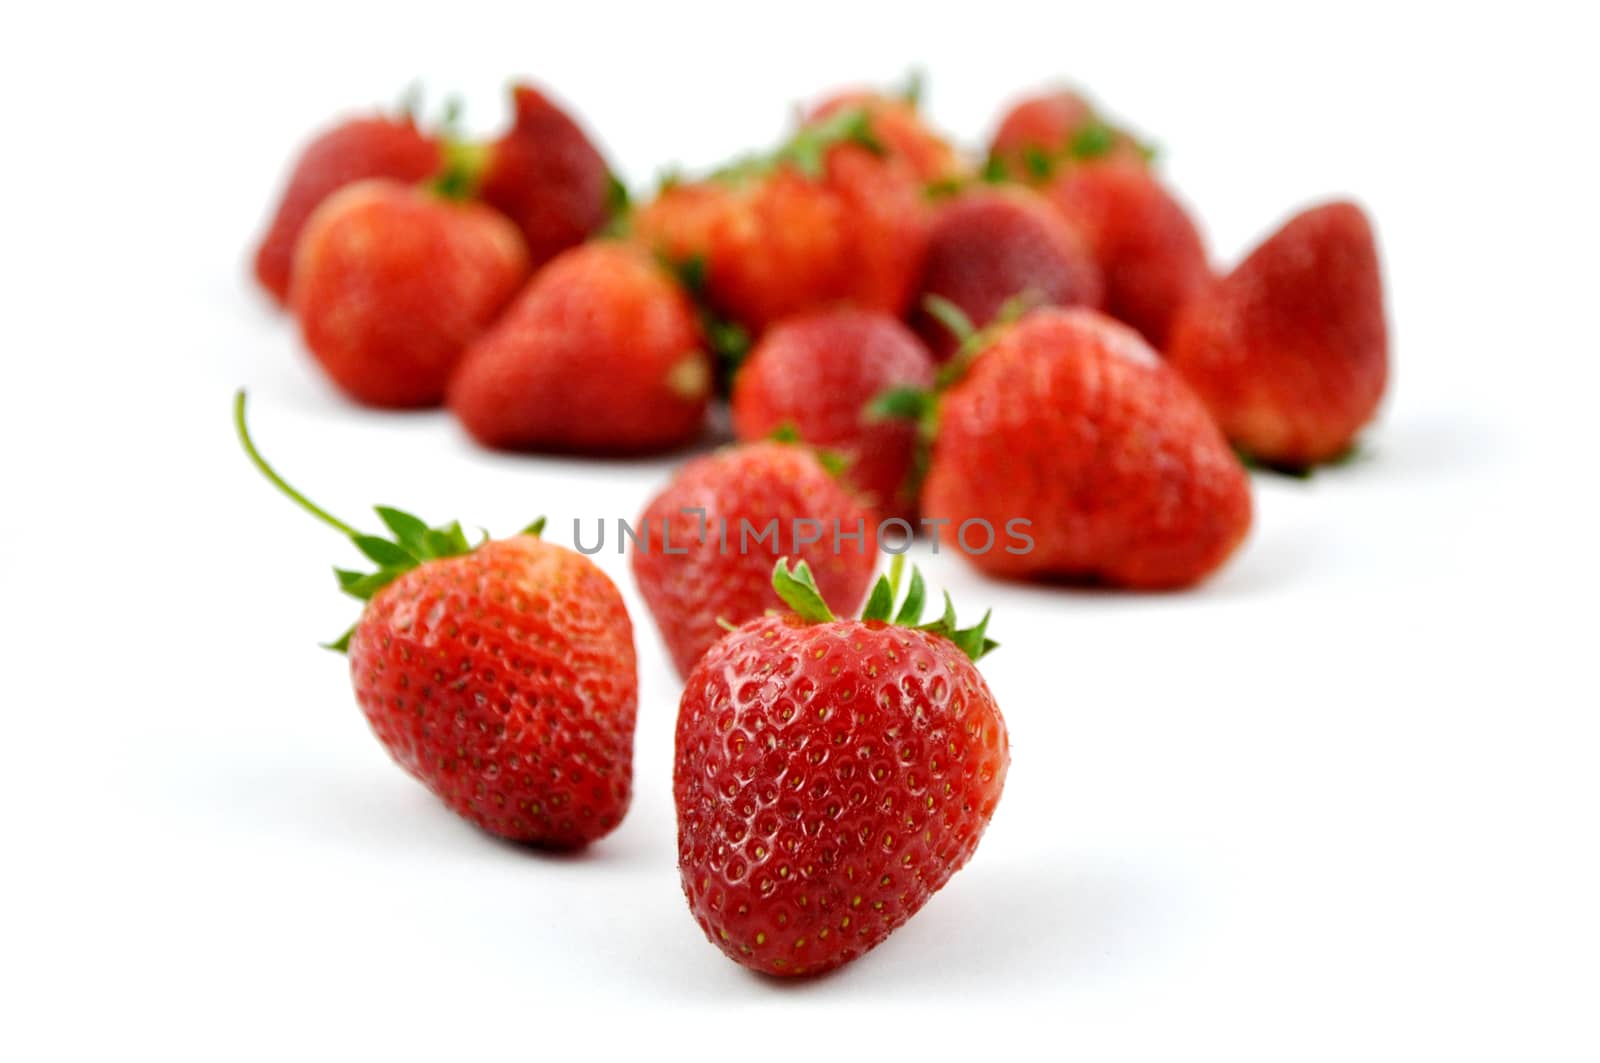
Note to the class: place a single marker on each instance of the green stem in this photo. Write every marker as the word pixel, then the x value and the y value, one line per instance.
pixel 277 481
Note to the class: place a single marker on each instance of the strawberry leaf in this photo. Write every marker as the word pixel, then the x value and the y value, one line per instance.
pixel 799 592
pixel 1092 140
pixel 617 197
pixel 943 188
pixel 901 404
pixel 951 316
pixel 464 164
pixel 880 603
pixel 1038 164
pixel 915 86
pixel 972 641
pixel 833 462
pixel 364 588
pixel 382 551
pixel 807 150
pixel 409 531
pixel 910 614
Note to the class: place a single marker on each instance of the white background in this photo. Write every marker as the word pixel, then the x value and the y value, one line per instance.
pixel 1340 803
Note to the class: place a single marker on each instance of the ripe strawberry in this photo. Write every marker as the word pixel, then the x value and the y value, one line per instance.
pixel 391 282
pixel 831 775
pixel 1070 422
pixel 826 219
pixel 352 151
pixel 602 353
pixel 994 244
pixel 545 175
pixel 706 543
pixel 1290 351
pixel 817 374
pixel 1148 249
pixel 901 130
pixel 501 675
pixel 1042 132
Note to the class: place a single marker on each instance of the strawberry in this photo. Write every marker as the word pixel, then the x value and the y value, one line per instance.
pixel 501 675
pixel 705 544
pixel 351 151
pixel 831 775
pixel 545 175
pixel 901 130
pixel 1148 249
pixel 392 282
pixel 817 374
pixel 993 244
pixel 1070 424
pixel 828 218
pixel 1041 132
pixel 1290 351
pixel 602 353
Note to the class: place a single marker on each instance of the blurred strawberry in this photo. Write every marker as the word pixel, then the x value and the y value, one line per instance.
pixel 900 129
pixel 393 281
pixel 351 151
pixel 1070 424
pixel 993 244
pixel 1042 132
pixel 828 218
pixel 1290 351
pixel 817 374
pixel 602 353
pixel 545 175
pixel 1148 249
pixel 710 538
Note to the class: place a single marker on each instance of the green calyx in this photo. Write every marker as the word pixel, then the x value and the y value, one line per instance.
pixel 1094 139
pixel 462 161
pixel 799 592
pixel 833 462
pixel 729 341
pixel 618 200
pixel 913 89
pixel 464 164
pixel 410 543
pixel 920 406
pixel 807 150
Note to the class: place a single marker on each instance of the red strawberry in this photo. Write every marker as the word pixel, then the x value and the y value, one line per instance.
pixel 602 353
pixel 1148 249
pixel 547 177
pixel 1041 132
pixel 832 775
pixel 351 151
pixel 502 676
pixel 817 374
pixel 706 543
pixel 991 245
pixel 1290 351
pixel 827 219
pixel 902 132
pixel 391 282
pixel 1070 422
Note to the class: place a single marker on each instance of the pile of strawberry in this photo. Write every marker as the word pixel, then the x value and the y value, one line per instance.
pixel 1031 357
